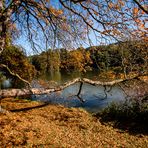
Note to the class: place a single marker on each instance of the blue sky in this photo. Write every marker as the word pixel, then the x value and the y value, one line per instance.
pixel 22 41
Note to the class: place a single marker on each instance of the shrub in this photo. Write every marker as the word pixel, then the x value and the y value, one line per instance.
pixel 132 110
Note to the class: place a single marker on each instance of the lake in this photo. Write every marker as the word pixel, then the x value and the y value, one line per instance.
pixel 62 77
pixel 96 97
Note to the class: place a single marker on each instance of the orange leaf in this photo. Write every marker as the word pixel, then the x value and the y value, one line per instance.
pixel 135 11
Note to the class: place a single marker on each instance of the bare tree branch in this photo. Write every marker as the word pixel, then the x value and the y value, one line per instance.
pixel 14 74
pixel 141 7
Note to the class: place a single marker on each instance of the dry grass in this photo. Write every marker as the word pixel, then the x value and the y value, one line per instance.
pixel 56 126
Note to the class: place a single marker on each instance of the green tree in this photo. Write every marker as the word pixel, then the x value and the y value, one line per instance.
pixel 40 62
pixel 47 62
pixel 16 60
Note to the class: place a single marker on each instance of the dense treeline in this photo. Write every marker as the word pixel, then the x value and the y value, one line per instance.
pixel 118 58
pixel 62 59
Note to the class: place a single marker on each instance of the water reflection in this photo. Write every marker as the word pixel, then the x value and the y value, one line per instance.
pixel 96 97
pixel 63 76
pixel 6 84
pixel 56 77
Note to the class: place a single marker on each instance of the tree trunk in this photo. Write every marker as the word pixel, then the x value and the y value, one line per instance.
pixel 4 24
pixel 2 27
pixel 38 91
pixel 131 89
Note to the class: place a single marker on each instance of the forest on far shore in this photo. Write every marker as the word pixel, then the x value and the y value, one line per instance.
pixel 119 58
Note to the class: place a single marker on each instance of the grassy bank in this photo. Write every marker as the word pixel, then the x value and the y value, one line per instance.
pixel 32 124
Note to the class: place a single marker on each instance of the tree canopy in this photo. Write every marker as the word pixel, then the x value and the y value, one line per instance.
pixel 70 22
pixel 14 63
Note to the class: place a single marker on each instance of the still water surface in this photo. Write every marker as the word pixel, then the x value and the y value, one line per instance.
pixel 62 77
pixel 96 97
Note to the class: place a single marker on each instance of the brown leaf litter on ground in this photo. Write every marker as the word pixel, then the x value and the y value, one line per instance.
pixel 34 124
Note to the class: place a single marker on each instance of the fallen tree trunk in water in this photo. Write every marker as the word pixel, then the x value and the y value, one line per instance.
pixel 39 91
pixel 36 91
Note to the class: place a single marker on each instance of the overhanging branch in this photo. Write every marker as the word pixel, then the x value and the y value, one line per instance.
pixel 141 7
pixel 14 74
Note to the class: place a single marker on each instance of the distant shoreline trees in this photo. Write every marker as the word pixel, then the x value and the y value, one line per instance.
pixel 121 58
